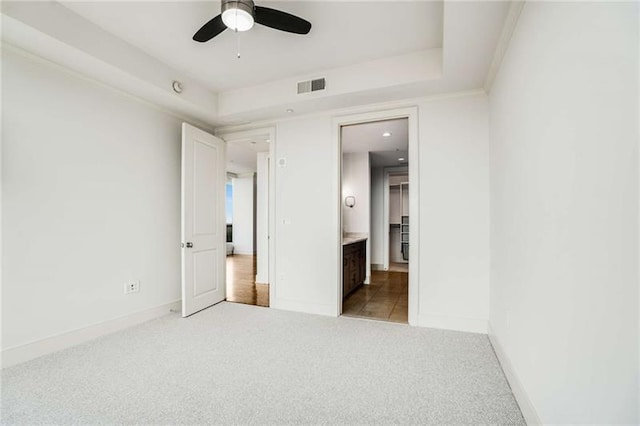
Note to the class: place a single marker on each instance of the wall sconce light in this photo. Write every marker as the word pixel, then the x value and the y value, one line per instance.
pixel 350 201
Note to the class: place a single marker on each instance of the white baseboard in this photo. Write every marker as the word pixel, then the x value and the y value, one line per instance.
pixel 470 325
pixel 307 308
pixel 29 351
pixel 526 406
pixel 243 252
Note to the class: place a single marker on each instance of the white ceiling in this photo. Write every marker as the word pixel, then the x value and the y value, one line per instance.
pixel 370 51
pixel 389 158
pixel 368 137
pixel 343 33
pixel 241 154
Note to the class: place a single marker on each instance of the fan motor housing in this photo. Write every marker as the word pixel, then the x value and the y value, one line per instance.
pixel 246 5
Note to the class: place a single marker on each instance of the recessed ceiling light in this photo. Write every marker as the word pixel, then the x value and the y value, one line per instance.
pixel 401 159
pixel 289 110
pixel 268 141
pixel 386 134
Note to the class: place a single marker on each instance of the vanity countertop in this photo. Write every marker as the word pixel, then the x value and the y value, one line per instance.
pixel 353 237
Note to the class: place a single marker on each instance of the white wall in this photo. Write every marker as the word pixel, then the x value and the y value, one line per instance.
pixel 262 218
pixel 564 210
pixel 356 182
pixel 243 214
pixel 90 200
pixel 371 79
pixel 377 217
pixel 454 227
pixel 306 216
pixel 454 213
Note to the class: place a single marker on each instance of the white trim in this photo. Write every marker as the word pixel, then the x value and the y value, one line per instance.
pixel 385 219
pixel 244 175
pixel 4 45
pixel 522 398
pixel 638 121
pixel 262 250
pixel 358 109
pixel 296 306
pixel 38 348
pixel 444 322
pixel 411 113
pixel 245 135
pixel 243 253
pixel 374 320
pixel 336 147
pixel 509 26
pixel 1 209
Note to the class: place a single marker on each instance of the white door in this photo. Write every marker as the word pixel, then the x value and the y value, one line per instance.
pixel 203 220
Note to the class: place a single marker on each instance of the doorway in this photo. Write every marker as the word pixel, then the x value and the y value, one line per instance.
pixel 376 271
pixel 247 195
pixel 396 218
pixel 375 219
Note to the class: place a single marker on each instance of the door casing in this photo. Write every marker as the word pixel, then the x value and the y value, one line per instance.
pixel 410 113
pixel 231 136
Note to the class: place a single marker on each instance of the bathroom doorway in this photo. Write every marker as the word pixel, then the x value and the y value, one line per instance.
pixel 375 196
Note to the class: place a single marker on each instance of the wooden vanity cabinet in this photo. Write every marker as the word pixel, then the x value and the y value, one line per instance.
pixel 354 259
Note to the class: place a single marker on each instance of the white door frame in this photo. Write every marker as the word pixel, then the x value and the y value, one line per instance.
pixel 411 113
pixel 230 136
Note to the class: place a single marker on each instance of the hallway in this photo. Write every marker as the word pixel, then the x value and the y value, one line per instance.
pixel 241 281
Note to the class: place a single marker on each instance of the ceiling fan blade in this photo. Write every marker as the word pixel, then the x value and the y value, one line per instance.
pixel 210 30
pixel 281 20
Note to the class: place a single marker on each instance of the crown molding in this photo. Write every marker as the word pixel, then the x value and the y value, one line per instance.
pixel 358 109
pixel 509 26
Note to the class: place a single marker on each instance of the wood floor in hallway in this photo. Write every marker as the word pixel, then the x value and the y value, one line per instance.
pixel 241 281
pixel 386 298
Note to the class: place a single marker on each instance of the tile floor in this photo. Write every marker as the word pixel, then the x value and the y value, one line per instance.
pixel 385 298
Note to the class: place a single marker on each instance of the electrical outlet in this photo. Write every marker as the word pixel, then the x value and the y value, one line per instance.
pixel 132 287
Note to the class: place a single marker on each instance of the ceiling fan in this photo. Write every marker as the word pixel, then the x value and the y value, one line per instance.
pixel 240 15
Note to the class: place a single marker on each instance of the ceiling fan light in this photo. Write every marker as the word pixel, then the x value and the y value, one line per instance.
pixel 237 19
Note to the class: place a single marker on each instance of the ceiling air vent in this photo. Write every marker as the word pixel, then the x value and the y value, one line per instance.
pixel 311 85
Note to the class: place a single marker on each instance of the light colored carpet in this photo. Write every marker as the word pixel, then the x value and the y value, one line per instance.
pixel 243 364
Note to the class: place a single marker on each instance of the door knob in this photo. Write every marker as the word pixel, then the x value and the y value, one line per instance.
pixel 189 245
